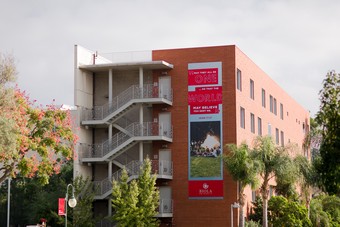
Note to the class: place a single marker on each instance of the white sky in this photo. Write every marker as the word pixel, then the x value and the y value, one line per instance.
pixel 296 42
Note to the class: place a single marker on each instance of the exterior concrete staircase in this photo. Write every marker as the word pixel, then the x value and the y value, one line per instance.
pixel 121 141
pixel 162 169
pixel 125 101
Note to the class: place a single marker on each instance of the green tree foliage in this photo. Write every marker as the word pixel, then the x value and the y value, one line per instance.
pixel 328 118
pixel 8 135
pixel 287 213
pixel 244 169
pixel 304 176
pixel 275 164
pixel 135 203
pixel 31 201
pixel 257 210
pixel 252 224
pixel 83 212
pixel 325 211
pixel 307 177
pixel 34 141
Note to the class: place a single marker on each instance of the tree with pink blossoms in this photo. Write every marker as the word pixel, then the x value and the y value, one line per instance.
pixel 34 140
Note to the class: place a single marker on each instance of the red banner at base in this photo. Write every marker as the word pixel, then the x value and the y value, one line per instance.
pixel 61 206
pixel 206 188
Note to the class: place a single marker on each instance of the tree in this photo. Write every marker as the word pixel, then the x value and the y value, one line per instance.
pixel 135 203
pixel 31 201
pixel 257 210
pixel 275 164
pixel 82 213
pixel 8 136
pixel 305 177
pixel 287 213
pixel 328 117
pixel 34 140
pixel 325 210
pixel 243 169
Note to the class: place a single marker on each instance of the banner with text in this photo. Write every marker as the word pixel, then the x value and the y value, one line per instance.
pixel 61 206
pixel 205 130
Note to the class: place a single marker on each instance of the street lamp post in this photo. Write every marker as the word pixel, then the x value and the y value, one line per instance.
pixel 72 202
pixel 233 205
pixel 8 201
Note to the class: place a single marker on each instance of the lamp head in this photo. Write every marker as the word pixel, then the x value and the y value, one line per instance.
pixel 72 202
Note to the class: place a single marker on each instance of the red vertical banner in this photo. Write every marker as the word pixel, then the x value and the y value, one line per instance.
pixel 61 206
pixel 205 130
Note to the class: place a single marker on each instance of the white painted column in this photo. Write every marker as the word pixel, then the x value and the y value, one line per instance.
pixel 141 151
pixel 141 79
pixel 110 86
pixel 110 132
pixel 109 170
pixel 109 206
pixel 110 138
pixel 110 163
pixel 141 89
pixel 141 84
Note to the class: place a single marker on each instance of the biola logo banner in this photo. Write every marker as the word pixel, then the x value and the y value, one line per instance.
pixel 205 130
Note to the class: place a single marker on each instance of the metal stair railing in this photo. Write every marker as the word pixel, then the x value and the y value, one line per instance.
pixel 100 150
pixel 165 206
pixel 133 169
pixel 133 92
pixel 123 122
pixel 160 167
pixel 102 187
pixel 100 112
pixel 135 130
pixel 125 158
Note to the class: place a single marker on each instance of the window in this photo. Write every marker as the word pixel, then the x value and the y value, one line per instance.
pixel 271 104
pixel 252 123
pixel 281 111
pixel 239 80
pixel 242 119
pixel 259 126
pixel 263 98
pixel 252 96
pixel 253 196
pixel 277 136
pixel 282 139
pixel 275 108
pixel 271 191
pixel 269 129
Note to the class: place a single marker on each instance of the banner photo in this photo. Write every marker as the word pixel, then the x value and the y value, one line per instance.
pixel 61 206
pixel 205 130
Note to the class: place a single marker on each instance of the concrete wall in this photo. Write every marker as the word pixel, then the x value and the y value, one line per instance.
pixel 83 98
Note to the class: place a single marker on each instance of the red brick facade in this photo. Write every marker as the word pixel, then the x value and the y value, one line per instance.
pixel 209 212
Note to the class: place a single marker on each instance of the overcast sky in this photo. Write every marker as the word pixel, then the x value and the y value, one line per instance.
pixel 296 42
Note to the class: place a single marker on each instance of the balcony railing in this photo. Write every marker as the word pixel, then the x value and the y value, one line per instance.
pixel 102 187
pixel 133 92
pixel 159 167
pixel 165 207
pixel 146 129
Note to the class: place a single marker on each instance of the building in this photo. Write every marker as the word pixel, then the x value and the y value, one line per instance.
pixel 178 107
